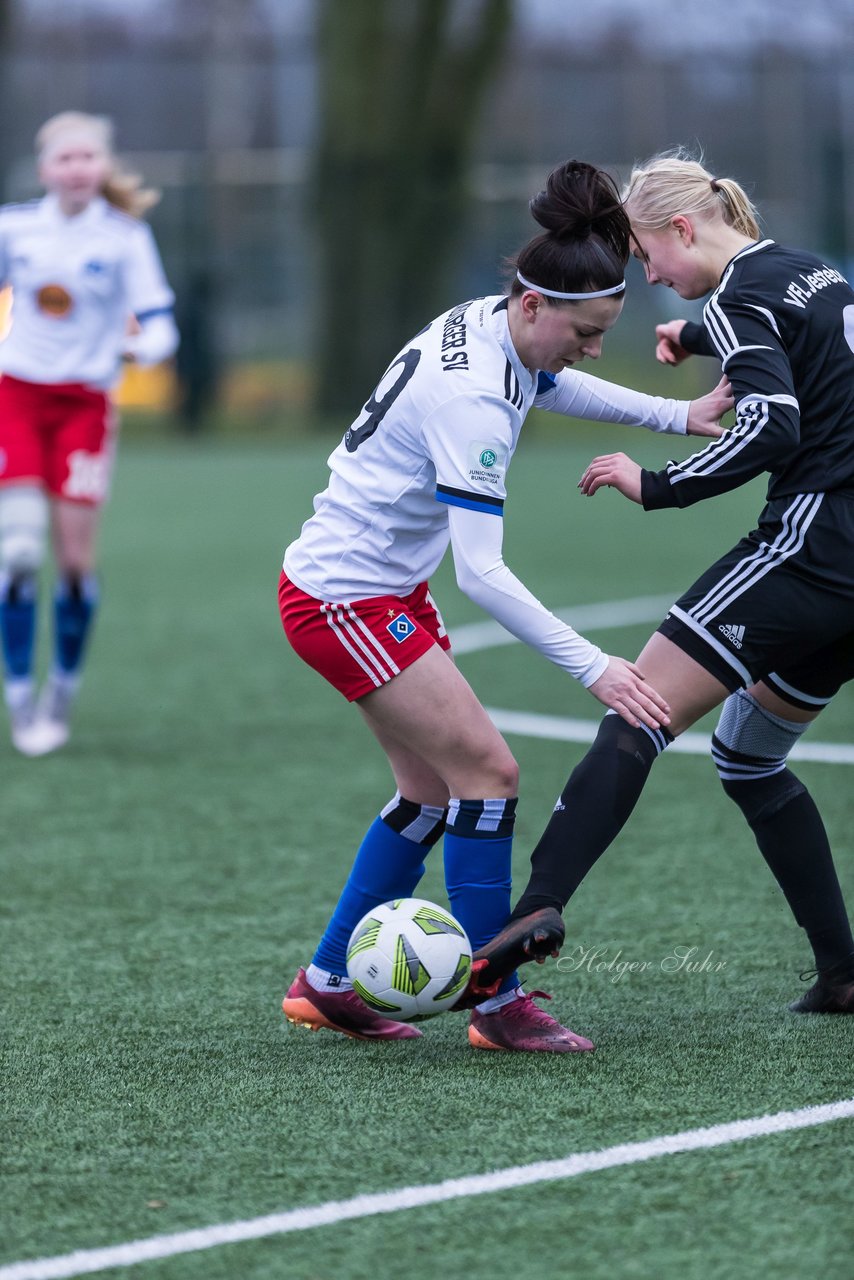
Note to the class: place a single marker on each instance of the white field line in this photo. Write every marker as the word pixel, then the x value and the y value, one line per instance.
pixel 476 636
pixel 88 1261
pixel 470 639
pixel 565 729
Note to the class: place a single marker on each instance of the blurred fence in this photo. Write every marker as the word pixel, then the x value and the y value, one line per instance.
pixel 227 134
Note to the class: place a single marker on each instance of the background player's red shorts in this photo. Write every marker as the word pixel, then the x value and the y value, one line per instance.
pixel 362 645
pixel 61 436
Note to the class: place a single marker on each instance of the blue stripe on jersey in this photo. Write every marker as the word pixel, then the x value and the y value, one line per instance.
pixel 545 382
pixel 142 316
pixel 471 501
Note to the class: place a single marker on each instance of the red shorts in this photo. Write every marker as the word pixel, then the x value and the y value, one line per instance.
pixel 61 436
pixel 360 646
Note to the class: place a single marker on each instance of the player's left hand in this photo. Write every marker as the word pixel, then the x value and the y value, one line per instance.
pixel 614 471
pixel 704 415
pixel 622 687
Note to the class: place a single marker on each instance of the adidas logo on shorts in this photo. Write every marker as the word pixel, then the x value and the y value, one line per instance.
pixel 735 635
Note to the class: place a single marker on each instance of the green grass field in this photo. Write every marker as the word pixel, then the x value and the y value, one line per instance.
pixel 165 875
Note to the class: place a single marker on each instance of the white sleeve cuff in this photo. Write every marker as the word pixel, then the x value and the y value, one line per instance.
pixel 157 340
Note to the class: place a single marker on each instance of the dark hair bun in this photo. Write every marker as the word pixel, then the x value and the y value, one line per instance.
pixel 586 236
pixel 580 200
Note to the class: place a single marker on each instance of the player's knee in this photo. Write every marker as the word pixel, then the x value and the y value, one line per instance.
pixel 497 774
pixel 23 530
pixel 636 741
pixel 507 776
pixel 751 745
pixel 750 741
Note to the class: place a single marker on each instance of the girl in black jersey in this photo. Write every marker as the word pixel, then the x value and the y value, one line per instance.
pixel 769 629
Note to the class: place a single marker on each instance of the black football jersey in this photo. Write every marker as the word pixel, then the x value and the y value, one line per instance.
pixel 781 322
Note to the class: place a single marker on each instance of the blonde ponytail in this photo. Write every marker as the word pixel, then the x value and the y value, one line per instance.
pixel 125 192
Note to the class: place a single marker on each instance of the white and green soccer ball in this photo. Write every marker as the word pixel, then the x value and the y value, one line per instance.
pixel 409 959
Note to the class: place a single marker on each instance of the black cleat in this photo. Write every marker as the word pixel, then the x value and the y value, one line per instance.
pixel 826 996
pixel 531 937
pixel 477 989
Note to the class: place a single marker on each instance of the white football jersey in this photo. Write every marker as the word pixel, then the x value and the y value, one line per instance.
pixel 75 283
pixel 439 431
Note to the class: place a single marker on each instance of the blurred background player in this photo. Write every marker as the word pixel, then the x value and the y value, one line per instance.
pixel 423 465
pixel 88 291
pixel 769 629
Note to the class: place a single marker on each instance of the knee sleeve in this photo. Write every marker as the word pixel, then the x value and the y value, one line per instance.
pixel 23 528
pixel 751 744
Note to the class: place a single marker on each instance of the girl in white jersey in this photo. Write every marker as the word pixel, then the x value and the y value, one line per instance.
pixel 88 291
pixel 424 465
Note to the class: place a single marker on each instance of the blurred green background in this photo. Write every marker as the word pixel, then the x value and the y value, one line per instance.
pixel 336 172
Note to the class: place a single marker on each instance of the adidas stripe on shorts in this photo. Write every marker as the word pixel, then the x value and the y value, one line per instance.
pixel 779 606
pixel 361 645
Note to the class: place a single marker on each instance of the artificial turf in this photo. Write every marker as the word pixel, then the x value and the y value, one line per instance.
pixel 164 876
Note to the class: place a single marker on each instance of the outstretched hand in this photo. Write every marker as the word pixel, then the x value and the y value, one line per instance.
pixel 614 471
pixel 623 688
pixel 704 415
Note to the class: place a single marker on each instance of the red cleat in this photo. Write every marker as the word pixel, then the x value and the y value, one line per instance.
pixel 520 1026
pixel 341 1011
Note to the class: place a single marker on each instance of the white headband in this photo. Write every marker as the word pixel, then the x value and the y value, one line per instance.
pixel 571 297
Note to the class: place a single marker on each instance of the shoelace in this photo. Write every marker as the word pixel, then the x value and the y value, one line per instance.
pixel 525 1007
pixel 830 975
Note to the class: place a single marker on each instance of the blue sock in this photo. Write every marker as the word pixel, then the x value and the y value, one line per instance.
pixel 18 624
pixel 389 864
pixel 478 850
pixel 75 602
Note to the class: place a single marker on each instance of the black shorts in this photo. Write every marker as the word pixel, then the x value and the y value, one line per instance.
pixel 779 606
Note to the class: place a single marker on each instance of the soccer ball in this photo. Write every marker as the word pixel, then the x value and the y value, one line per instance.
pixel 409 959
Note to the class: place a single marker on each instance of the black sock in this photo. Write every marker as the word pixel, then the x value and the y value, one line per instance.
pixel 791 837
pixel 594 805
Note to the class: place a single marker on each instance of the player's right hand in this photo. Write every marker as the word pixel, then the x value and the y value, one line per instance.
pixel 622 687
pixel 668 350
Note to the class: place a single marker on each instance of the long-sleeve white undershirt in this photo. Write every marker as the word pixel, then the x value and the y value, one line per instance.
pixel 476 542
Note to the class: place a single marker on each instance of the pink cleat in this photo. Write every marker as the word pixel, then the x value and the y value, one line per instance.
pixel 522 1027
pixel 341 1011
